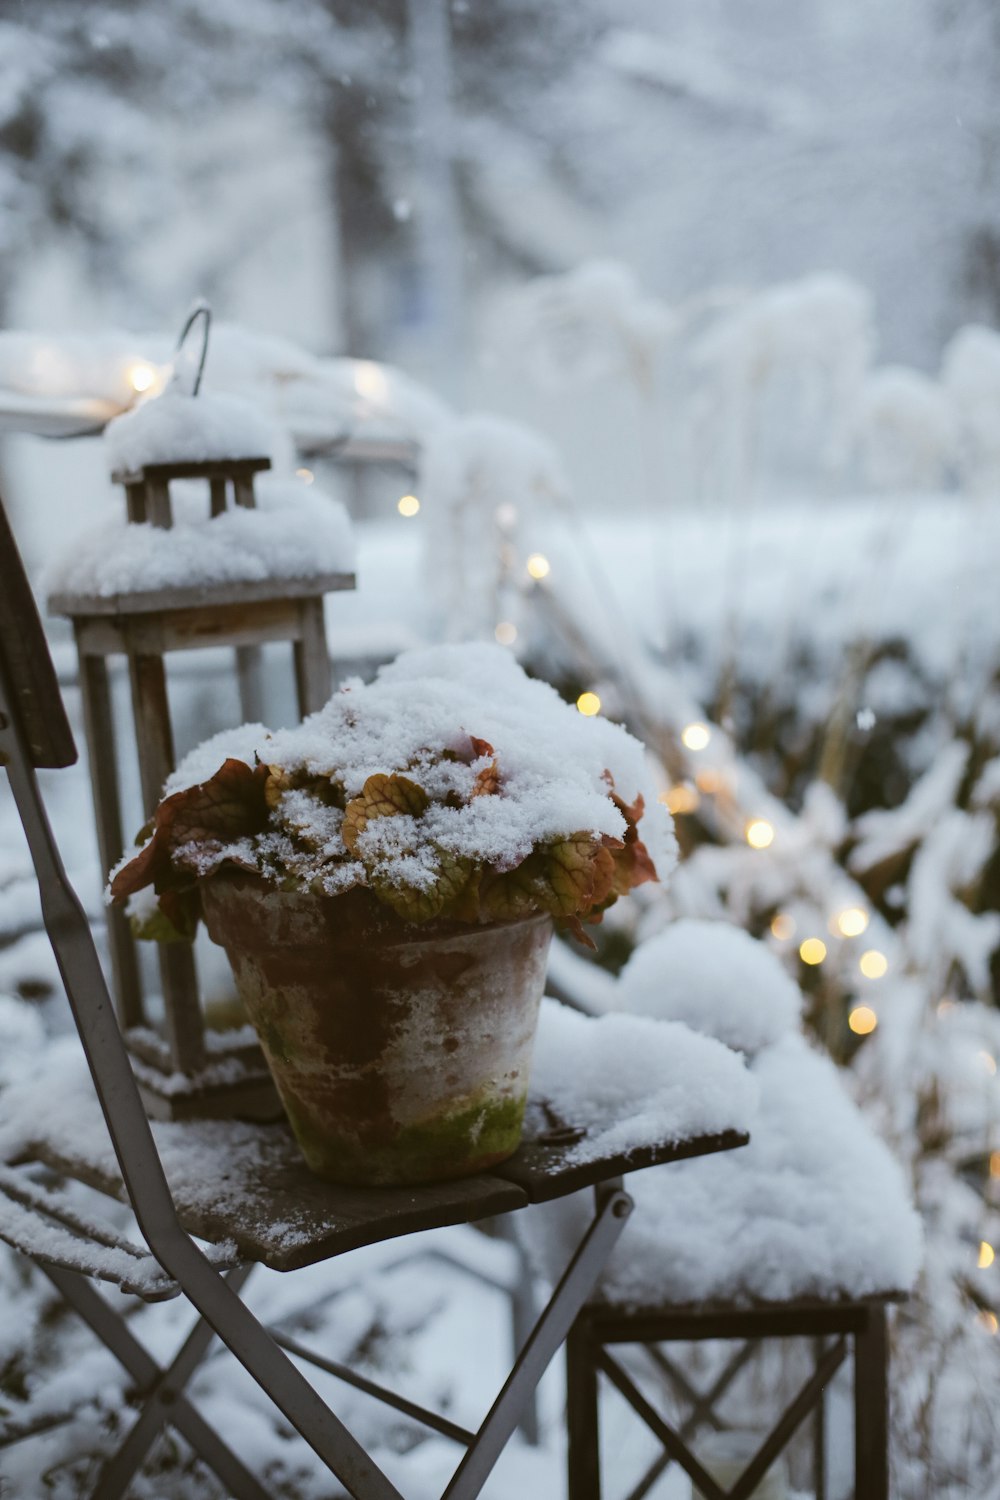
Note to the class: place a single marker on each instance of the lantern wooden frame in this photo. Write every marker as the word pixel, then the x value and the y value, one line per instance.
pixel 183 1073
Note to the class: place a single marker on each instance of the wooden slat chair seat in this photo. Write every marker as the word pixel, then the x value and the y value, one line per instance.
pixel 40 1221
pixel 241 1187
pixel 244 1185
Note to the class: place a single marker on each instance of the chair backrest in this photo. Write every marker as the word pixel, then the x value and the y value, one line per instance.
pixel 34 731
pixel 26 663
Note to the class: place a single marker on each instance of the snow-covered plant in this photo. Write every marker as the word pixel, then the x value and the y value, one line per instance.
pixel 592 321
pixel 452 787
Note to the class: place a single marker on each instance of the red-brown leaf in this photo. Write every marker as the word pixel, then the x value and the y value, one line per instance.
pixel 487 782
pixel 229 805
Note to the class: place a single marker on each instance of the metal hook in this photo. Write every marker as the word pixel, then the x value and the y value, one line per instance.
pixel 201 310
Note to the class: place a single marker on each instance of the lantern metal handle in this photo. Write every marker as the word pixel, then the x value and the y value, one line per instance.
pixel 202 311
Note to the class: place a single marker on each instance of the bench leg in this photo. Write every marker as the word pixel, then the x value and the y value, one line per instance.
pixel 582 1415
pixel 819 1431
pixel 871 1408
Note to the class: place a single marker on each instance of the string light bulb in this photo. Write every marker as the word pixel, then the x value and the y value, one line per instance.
pixel 812 951
pixel 408 505
pixel 589 704
pixel 759 833
pixel 370 380
pixel 995 1164
pixel 144 378
pixel 696 736
pixel 851 922
pixel 873 964
pixel 987 1320
pixel 505 633
pixel 987 1255
pixel 783 927
pixel 862 1020
pixel 538 566
pixel 682 798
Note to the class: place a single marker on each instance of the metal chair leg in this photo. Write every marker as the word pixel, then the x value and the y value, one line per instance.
pixel 116 1336
pixel 871 1407
pixel 524 1312
pixel 116 1476
pixel 582 1414
pixel 613 1207
pixel 819 1431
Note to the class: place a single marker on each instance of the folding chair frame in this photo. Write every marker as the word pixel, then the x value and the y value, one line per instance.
pixel 34 732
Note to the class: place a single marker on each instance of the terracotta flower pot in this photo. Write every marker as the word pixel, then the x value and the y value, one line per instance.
pixel 401 1052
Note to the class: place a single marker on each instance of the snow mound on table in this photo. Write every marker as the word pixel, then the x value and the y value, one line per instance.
pixel 174 428
pixel 630 1082
pixel 815 1206
pixel 715 978
pixel 295 532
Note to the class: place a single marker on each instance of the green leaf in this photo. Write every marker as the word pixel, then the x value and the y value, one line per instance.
pixel 580 872
pixel 173 920
pixel 420 903
pixel 381 797
pixel 565 879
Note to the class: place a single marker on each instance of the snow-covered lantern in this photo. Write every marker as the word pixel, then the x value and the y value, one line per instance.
pixel 200 561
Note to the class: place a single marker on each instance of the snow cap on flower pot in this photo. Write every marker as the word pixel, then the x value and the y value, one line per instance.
pixel 427 827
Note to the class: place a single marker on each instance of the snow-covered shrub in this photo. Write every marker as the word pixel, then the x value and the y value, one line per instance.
pixel 971 373
pixel 906 430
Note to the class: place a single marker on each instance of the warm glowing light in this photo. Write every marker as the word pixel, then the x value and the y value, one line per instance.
pixel 759 833
pixel 408 505
pixel 538 566
pixel 696 736
pixel 812 950
pixel 370 380
pixel 945 1006
pixel 783 927
pixel 987 1255
pixel 987 1320
pixel 506 633
pixel 589 704
pixel 851 922
pixel 306 475
pixel 873 964
pixel 995 1163
pixel 862 1020
pixel 682 798
pixel 708 782
pixel 989 1061
pixel 142 377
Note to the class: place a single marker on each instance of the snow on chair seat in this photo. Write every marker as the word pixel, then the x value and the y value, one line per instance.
pixel 815 1206
pixel 612 1090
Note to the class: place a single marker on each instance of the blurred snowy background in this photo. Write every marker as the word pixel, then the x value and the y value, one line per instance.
pixel 737 267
